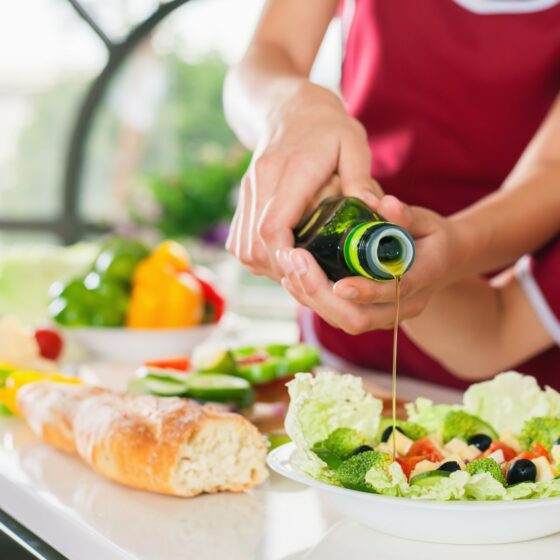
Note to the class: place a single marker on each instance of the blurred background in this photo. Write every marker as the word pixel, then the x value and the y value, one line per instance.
pixel 112 121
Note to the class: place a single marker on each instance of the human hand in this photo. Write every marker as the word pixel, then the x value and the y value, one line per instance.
pixel 309 140
pixel 357 304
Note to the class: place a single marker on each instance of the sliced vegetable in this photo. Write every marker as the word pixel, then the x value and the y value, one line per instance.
pixel 164 387
pixel 429 478
pixel 219 388
pixel 409 463
pixel 214 360
pixel 508 452
pixel 301 358
pixel 263 372
pixel 181 363
pixel 427 448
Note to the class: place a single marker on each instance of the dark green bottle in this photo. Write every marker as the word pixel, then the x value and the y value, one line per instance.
pixel 348 239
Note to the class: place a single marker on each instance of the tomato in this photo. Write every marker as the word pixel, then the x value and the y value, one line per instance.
pixel 408 463
pixel 180 363
pixel 257 358
pixel 50 343
pixel 508 452
pixel 425 447
pixel 539 451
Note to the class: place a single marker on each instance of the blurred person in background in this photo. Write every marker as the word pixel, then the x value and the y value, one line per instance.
pixel 450 105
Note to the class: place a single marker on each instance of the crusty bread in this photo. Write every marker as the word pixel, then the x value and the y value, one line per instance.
pixel 166 445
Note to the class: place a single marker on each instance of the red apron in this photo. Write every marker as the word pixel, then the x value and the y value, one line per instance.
pixel 450 97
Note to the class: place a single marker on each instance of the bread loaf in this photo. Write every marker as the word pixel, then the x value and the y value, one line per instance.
pixel 166 445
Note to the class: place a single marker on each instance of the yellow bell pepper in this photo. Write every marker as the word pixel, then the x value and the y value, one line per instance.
pixel 164 295
pixel 18 378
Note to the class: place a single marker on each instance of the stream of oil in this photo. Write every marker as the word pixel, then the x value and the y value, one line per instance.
pixel 394 373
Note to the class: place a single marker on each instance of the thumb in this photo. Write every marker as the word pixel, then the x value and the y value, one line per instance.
pixel 419 222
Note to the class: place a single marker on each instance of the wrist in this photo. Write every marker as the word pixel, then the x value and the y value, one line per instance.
pixel 464 244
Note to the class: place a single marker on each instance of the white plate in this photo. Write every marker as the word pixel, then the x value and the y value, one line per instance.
pixel 442 522
pixel 137 345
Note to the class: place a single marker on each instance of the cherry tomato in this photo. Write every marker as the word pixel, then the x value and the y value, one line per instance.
pixel 50 343
pixel 408 463
pixel 425 447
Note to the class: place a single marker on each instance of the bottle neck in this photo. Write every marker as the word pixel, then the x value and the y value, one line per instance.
pixel 378 250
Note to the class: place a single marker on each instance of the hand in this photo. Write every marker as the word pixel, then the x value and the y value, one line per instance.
pixel 356 304
pixel 310 139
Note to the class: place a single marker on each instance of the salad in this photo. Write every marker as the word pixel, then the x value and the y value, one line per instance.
pixel 502 443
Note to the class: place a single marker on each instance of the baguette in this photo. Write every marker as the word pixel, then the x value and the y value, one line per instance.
pixel 166 445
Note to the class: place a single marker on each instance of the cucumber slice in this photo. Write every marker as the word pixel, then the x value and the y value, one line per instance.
pixel 263 372
pixel 164 387
pixel 163 374
pixel 429 478
pixel 302 358
pixel 210 359
pixel 219 388
pixel 138 386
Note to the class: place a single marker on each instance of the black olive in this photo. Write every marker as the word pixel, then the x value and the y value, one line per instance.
pixel 557 442
pixel 482 441
pixel 361 449
pixel 450 466
pixel 387 433
pixel 523 470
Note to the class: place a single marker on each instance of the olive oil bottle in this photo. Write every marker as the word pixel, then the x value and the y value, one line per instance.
pixel 348 239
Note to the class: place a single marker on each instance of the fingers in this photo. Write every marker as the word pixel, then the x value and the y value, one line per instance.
pixel 365 291
pixel 301 179
pixel 354 168
pixel 309 285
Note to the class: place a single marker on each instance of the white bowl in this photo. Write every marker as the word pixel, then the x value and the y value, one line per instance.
pixel 137 345
pixel 441 522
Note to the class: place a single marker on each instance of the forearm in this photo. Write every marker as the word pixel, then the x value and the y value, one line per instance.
pixel 519 218
pixel 275 69
pixel 477 329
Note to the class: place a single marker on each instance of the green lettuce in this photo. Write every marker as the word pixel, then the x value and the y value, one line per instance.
pixel 321 404
pixel 484 486
pixel 510 399
pixel 389 482
pixel 427 414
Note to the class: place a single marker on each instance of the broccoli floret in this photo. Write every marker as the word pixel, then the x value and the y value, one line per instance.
pixel 343 441
pixel 352 472
pixel 544 430
pixel 487 465
pixel 458 423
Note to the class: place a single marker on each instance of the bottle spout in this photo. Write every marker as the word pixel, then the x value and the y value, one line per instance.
pixel 390 251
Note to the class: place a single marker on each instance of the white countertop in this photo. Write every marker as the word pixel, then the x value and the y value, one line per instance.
pixel 86 517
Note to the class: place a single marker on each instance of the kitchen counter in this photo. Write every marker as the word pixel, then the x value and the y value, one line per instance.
pixel 77 514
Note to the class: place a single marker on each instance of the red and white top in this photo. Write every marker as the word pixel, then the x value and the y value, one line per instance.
pixel 450 92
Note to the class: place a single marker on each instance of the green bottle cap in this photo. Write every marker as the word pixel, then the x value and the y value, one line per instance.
pixel 379 250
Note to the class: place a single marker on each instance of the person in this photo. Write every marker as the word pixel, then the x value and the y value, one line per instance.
pixel 451 105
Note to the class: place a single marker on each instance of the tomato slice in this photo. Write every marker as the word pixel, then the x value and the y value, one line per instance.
pixel 425 447
pixel 180 363
pixel 508 452
pixel 539 451
pixel 408 463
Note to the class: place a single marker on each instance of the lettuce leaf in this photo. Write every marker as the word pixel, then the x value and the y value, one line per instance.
pixel 484 486
pixel 321 404
pixel 510 399
pixel 390 482
pixel 427 414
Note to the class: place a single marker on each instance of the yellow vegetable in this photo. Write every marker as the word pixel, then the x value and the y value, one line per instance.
pixel 164 294
pixel 18 378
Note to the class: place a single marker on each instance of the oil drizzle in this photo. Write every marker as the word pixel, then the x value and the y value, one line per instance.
pixel 394 373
